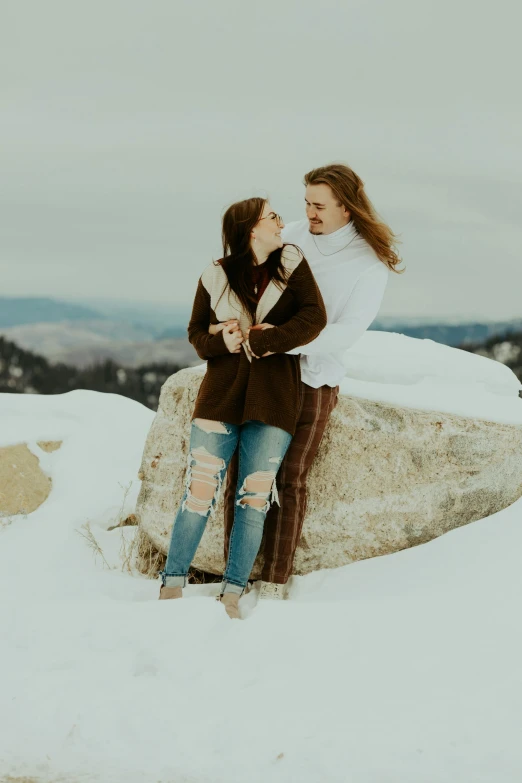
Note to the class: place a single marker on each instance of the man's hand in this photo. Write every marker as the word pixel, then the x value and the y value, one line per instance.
pixel 259 326
pixel 232 337
pixel 215 328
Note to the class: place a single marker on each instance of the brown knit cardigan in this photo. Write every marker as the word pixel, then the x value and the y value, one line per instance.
pixel 236 388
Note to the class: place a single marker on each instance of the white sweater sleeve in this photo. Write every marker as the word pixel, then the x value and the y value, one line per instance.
pixel 358 313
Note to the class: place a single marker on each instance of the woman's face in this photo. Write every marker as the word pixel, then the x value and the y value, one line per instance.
pixel 267 231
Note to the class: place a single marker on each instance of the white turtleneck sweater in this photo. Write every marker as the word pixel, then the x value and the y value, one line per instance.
pixel 352 281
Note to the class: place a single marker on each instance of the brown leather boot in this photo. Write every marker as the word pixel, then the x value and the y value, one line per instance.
pixel 170 592
pixel 231 600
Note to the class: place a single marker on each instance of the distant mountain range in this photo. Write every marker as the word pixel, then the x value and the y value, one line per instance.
pixel 449 334
pixel 80 335
pixel 32 310
pixel 150 319
pixel 83 343
pixel 133 333
pixel 156 315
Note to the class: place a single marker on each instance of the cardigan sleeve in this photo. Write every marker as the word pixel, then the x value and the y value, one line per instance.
pixel 358 313
pixel 304 326
pixel 207 345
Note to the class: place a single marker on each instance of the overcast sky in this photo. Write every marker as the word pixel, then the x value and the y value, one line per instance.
pixel 127 127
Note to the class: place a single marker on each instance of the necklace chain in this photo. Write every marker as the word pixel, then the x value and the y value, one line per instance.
pixel 335 251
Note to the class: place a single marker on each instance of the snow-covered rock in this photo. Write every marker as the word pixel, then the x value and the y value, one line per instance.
pixel 429 376
pixel 386 477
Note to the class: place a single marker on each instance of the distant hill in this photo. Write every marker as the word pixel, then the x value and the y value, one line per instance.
pixel 159 315
pixel 51 338
pixel 24 372
pixel 154 321
pixel 457 334
pixel 15 311
pixel 83 343
pixel 174 332
pixel 177 351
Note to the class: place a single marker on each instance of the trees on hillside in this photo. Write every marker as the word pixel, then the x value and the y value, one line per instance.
pixel 25 372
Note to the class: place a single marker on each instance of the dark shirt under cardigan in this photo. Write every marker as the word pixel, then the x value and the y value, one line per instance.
pixel 267 389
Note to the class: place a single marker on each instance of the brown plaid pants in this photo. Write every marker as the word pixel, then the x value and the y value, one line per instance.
pixel 283 524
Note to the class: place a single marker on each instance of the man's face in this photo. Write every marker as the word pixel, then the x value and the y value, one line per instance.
pixel 325 214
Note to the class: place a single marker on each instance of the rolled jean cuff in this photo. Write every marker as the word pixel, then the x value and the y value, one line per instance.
pixel 173 581
pixel 230 587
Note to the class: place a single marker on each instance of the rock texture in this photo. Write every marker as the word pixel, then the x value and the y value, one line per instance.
pixel 49 445
pixel 23 485
pixel 385 478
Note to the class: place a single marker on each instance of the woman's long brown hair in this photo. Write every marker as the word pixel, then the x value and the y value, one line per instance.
pixel 349 190
pixel 238 259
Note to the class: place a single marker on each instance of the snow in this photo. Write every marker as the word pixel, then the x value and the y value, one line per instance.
pixel 398 669
pixel 426 375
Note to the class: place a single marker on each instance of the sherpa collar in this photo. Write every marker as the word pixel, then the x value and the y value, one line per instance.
pixel 226 304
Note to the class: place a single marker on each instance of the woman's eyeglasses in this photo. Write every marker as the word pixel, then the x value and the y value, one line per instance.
pixel 273 216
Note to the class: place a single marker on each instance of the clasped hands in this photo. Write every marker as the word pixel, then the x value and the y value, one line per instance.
pixel 233 336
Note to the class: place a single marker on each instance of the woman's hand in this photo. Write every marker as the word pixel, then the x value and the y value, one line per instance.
pixel 232 336
pixel 215 328
pixel 259 326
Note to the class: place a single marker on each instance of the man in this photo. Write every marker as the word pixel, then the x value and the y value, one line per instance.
pixel 350 251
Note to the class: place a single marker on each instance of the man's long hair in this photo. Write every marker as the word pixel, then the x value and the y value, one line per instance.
pixel 348 188
pixel 238 259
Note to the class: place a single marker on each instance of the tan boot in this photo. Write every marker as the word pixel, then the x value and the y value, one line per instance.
pixel 231 601
pixel 170 592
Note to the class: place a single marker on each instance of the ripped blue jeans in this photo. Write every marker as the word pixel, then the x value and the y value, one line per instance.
pixel 212 445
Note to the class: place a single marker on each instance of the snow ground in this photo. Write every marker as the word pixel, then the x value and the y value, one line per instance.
pixel 400 669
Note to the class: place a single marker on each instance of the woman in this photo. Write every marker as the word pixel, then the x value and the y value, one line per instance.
pixel 259 301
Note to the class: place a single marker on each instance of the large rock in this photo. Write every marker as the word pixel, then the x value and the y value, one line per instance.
pixel 385 478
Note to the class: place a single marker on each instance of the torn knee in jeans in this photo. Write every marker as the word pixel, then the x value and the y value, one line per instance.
pixel 261 481
pixel 208 425
pixel 256 501
pixel 203 481
pixel 261 489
